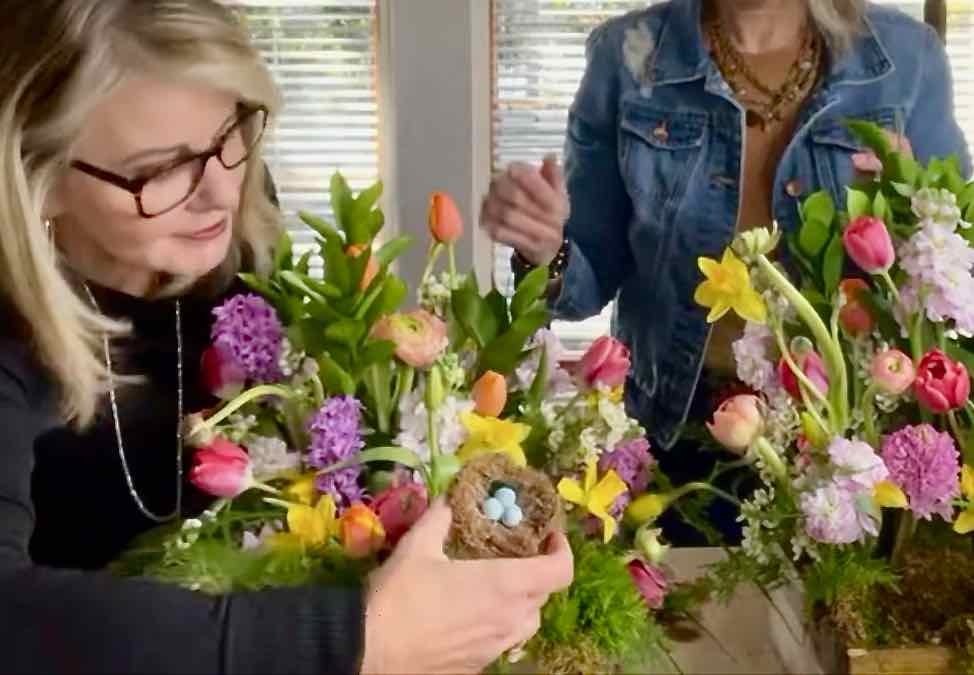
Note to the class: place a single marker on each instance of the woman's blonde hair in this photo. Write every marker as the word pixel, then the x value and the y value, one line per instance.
pixel 839 21
pixel 61 59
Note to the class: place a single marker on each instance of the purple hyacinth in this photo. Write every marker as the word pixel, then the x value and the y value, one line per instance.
pixel 248 329
pixel 336 435
pixel 925 464
pixel 633 463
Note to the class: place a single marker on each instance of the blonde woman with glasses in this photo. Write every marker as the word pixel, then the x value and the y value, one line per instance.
pixel 131 193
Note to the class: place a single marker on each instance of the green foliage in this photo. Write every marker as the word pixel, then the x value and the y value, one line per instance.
pixel 845 570
pixel 602 605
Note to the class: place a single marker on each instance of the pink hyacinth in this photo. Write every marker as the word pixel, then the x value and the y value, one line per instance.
pixel 925 464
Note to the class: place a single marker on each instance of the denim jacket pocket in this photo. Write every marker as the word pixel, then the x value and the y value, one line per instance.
pixel 659 151
pixel 833 146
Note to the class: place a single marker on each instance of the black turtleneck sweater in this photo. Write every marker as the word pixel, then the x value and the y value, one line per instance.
pixel 65 512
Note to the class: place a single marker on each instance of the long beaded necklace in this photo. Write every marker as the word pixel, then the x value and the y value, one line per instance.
pixel 179 425
pixel 763 102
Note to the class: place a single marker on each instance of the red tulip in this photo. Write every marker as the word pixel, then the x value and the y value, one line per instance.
pixel 813 368
pixel 399 508
pixel 941 384
pixel 855 317
pixel 651 582
pixel 868 243
pixel 222 469
pixel 445 221
pixel 606 362
pixel 221 374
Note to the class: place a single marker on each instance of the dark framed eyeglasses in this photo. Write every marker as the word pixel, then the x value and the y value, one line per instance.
pixel 172 184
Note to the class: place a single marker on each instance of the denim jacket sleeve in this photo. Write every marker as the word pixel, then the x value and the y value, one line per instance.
pixel 932 127
pixel 601 209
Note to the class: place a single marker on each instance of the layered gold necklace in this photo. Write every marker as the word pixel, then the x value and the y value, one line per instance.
pixel 765 103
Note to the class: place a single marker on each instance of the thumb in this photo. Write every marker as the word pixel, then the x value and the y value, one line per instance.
pixel 431 531
pixel 551 172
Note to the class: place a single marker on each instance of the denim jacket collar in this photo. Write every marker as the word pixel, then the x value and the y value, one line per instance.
pixel 682 57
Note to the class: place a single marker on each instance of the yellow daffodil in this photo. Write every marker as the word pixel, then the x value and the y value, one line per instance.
pixel 313 525
pixel 965 521
pixel 489 434
pixel 889 496
pixel 728 287
pixel 596 497
pixel 302 490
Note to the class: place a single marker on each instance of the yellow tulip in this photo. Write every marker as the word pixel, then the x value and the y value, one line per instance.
pixel 965 521
pixel 597 498
pixel 728 287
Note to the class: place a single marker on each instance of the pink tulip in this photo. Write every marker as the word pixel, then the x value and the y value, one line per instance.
pixel 399 508
pixel 361 531
pixel 813 368
pixel 420 337
pixel 868 243
pixel 651 582
pixel 606 362
pixel 941 384
pixel 892 371
pixel 737 423
pixel 222 469
pixel 221 374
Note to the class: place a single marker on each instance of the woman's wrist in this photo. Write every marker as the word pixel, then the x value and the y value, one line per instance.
pixel 556 268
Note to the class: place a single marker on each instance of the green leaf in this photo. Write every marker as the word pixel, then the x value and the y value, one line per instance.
pixel 857 203
pixel 347 332
pixel 407 458
pixel 872 136
pixel 953 180
pixel 475 315
pixel 283 258
pixel 341 202
pixel 531 288
pixel 393 293
pixel 376 351
pixel 880 206
pixel 966 197
pixel 337 269
pixel 299 283
pixel 832 266
pixel 374 222
pixel 325 230
pixel 813 236
pixel 393 249
pixel 819 206
pixel 901 169
pixel 958 353
pixel 903 189
pixel 498 305
pixel 303 265
pixel 538 386
pixel 336 379
pixel 506 352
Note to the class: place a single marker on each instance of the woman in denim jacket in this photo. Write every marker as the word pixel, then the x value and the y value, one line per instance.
pixel 696 120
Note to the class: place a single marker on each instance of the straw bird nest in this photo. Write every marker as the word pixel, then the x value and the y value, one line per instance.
pixel 476 534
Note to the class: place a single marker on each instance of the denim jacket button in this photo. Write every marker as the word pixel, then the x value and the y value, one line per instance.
pixel 794 189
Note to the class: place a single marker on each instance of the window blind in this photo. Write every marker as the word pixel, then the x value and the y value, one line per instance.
pixel 322 54
pixel 539 59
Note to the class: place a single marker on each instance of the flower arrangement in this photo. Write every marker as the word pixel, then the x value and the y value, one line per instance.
pixel 338 416
pixel 857 351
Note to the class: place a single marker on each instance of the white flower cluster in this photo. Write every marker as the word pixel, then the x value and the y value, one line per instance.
pixel 239 427
pixel 289 361
pixel 453 370
pixel 414 420
pixel 270 457
pixel 559 381
pixel 587 426
pixel 434 294
pixel 757 529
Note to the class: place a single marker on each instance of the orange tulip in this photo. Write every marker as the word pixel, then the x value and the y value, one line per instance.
pixel 371 267
pixel 361 531
pixel 490 394
pixel 855 317
pixel 445 222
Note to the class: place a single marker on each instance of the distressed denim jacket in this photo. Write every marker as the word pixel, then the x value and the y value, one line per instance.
pixel 653 161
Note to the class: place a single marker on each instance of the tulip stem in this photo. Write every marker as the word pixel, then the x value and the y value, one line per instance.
pixel 434 253
pixel 686 489
pixel 869 415
pixel 318 390
pixel 766 452
pixel 831 350
pixel 884 275
pixel 239 402
pixel 904 532
pixel 452 262
pixel 958 434
pixel 806 386
pixel 264 487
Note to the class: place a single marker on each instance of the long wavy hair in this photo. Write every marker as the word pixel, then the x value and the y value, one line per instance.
pixel 61 59
pixel 839 21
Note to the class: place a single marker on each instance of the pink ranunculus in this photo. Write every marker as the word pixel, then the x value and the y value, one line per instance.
pixel 868 243
pixel 606 362
pixel 222 469
pixel 813 368
pixel 942 384
pixel 420 337
pixel 221 374
pixel 892 371
pixel 737 422
pixel 399 507
pixel 651 582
